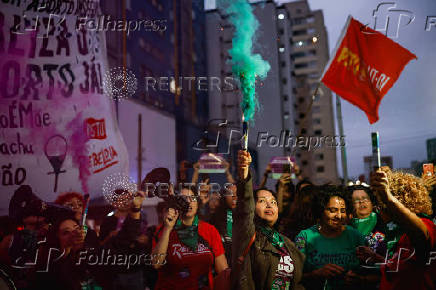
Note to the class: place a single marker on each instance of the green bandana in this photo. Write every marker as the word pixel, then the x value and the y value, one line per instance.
pixel 188 235
pixel 365 225
pixel 229 222
pixel 273 236
pixel 393 234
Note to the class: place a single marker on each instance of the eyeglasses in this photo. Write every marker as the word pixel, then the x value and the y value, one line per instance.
pixel 363 200
pixel 191 198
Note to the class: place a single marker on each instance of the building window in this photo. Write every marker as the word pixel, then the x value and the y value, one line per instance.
pixel 319 156
pixel 281 31
pixel 320 169
pixel 297 55
pixel 304 162
pixel 298 155
pixel 301 116
pixel 285 98
pixel 301 100
pixel 300 20
pixel 313 75
pixel 312 63
pixel 317 121
pixel 286 115
pixel 284 81
pixel 283 63
pixel 299 32
pixel 300 65
pixel 303 131
pixel 318 132
pixel 316 109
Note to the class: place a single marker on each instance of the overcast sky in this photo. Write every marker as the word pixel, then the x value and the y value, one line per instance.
pixel 408 111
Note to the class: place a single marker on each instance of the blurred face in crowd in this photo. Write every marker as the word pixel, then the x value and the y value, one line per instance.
pixel 68 233
pixel 76 205
pixel 204 189
pixel 266 207
pixel 214 201
pixel 362 204
pixel 231 199
pixel 34 223
pixel 193 203
pixel 334 215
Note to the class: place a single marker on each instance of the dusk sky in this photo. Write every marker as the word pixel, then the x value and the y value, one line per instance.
pixel 408 111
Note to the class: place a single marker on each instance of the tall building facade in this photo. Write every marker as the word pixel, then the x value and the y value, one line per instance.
pixel 274 117
pixel 174 58
pixel 293 39
pixel 309 53
pixel 148 52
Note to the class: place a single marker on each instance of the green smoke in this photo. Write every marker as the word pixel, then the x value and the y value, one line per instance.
pixel 245 65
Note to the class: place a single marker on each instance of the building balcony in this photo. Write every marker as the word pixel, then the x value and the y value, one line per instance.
pixel 305 59
pixel 306 71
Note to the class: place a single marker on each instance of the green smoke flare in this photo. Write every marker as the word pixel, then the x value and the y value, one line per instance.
pixel 245 65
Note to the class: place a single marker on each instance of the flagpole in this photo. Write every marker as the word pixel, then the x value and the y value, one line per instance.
pixel 341 133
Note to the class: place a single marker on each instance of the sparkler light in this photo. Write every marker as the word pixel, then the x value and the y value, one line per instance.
pixel 119 190
pixel 119 83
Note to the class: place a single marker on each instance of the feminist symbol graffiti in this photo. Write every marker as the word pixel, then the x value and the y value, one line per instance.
pixel 55 150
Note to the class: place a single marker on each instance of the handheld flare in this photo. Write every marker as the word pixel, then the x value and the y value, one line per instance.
pixel 376 149
pixel 244 134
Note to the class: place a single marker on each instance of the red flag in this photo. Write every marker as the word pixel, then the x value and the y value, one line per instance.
pixel 365 66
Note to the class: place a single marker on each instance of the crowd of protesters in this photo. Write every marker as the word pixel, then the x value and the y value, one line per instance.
pixel 298 235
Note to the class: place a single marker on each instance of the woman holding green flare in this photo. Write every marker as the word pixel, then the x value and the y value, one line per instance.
pixel 262 257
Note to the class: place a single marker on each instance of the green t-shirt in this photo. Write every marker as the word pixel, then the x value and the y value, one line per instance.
pixel 320 250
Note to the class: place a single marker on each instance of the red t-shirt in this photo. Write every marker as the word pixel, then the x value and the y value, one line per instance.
pixel 185 269
pixel 404 271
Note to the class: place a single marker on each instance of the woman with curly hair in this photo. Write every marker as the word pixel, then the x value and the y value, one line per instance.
pixel 330 246
pixel 76 202
pixel 405 199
